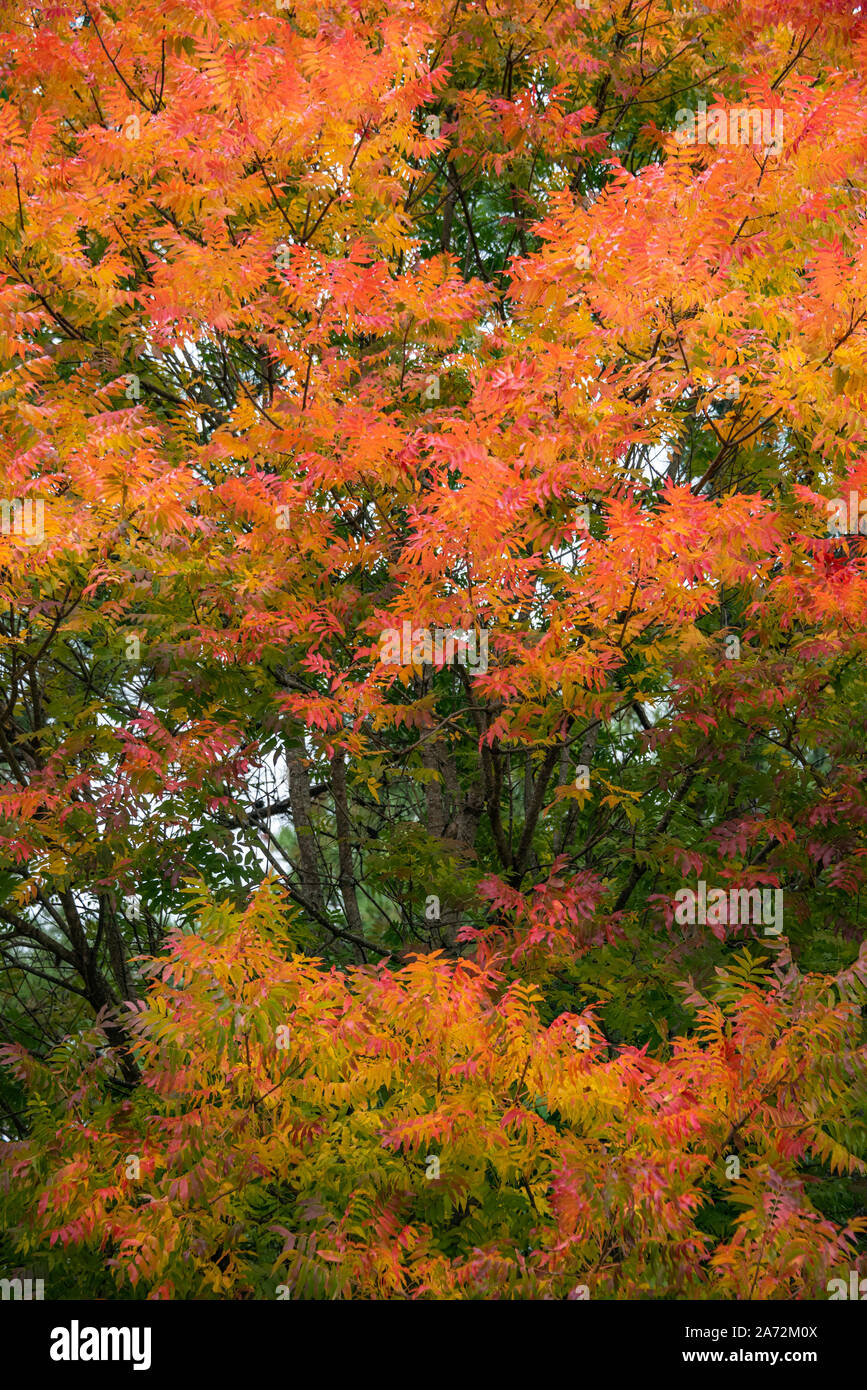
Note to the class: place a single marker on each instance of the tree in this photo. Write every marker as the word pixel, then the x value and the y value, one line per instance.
pixel 420 426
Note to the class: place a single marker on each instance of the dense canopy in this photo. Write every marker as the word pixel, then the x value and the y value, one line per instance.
pixel 433 817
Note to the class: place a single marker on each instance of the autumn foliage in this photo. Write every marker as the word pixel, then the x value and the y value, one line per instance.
pixel 331 975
